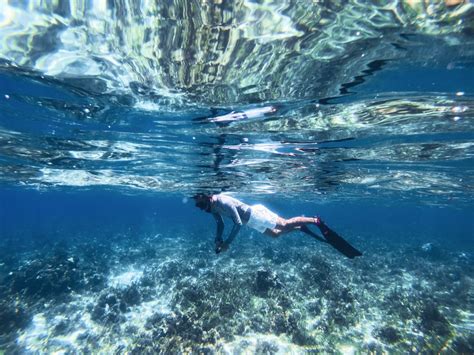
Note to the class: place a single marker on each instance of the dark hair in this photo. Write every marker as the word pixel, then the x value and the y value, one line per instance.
pixel 203 201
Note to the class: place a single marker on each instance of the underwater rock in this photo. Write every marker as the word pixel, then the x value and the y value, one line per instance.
pixel 204 350
pixel 62 327
pixel 147 280
pixel 184 326
pixel 227 309
pixel 131 295
pixel 342 311
pixel 144 345
pixel 158 320
pixel 374 348
pixel 12 317
pixel 281 324
pixel 388 334
pixel 463 345
pixel 197 264
pixel 166 326
pixel 171 270
pixel 53 275
pixel 265 348
pixel 292 325
pixel 432 251
pixel 341 315
pixel 284 300
pixel 109 308
pixel 301 337
pixel 314 307
pixel 95 281
pixel 260 323
pixel 404 305
pixel 47 278
pixel 192 297
pixel 433 321
pixel 318 272
pixel 265 281
pixel 345 295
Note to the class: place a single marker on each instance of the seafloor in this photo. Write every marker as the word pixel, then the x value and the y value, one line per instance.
pixel 169 293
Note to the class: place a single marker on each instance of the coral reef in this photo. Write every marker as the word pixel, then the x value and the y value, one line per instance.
pixel 262 296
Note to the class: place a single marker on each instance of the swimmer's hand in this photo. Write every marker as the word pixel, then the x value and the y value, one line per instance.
pixel 221 246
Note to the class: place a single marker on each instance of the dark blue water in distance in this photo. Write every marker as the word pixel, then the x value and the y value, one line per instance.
pixel 113 115
pixel 91 211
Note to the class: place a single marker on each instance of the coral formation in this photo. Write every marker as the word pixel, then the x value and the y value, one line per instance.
pixel 293 296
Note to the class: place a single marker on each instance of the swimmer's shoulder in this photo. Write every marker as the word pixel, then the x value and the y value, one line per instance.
pixel 228 200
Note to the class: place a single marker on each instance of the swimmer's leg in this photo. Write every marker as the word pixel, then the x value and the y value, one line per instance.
pixel 284 226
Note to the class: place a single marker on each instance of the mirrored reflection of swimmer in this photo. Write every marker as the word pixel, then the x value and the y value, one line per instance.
pixel 265 221
pixel 222 119
pixel 252 113
pixel 244 115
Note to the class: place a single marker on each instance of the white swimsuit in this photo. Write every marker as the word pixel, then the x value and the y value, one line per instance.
pixel 262 218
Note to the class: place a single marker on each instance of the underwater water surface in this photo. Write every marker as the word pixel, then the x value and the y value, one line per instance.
pixel 113 114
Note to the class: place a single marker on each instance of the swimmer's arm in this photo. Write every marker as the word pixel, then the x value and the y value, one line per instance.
pixel 235 229
pixel 220 228
pixel 233 233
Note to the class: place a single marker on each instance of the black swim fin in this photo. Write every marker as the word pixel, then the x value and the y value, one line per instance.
pixel 338 242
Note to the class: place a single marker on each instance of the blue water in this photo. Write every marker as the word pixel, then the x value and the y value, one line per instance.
pixel 113 115
pixel 108 211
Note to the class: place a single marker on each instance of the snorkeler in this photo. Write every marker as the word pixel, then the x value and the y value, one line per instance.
pixel 265 221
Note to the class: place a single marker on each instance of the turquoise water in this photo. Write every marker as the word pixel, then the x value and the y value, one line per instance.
pixel 114 114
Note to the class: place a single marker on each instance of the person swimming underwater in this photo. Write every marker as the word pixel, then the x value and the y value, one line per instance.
pixel 265 221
